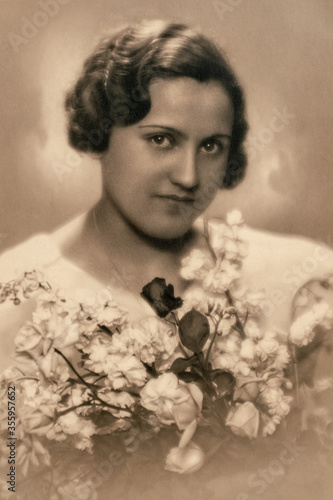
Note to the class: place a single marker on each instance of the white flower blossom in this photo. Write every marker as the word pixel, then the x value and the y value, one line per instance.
pixel 282 358
pixel 120 343
pixel 80 428
pixel 195 298
pixel 268 346
pixel 278 403
pixel 253 331
pixel 229 343
pixel 242 368
pixel 195 265
pixel 97 351
pixel 270 424
pixel 226 242
pixel 234 218
pixel 120 399
pixel 172 400
pixel 225 362
pixel 125 371
pixel 248 349
pixel 302 331
pixel 152 340
pixel 221 277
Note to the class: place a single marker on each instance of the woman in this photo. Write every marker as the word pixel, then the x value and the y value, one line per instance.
pixel 163 146
pixel 160 106
pixel 163 110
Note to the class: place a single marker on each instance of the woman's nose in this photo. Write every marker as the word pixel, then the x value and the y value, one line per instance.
pixel 185 173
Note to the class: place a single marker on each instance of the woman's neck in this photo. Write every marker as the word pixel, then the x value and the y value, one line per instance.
pixel 125 239
pixel 118 254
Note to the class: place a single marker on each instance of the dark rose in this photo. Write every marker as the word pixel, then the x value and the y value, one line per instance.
pixel 161 297
pixel 194 330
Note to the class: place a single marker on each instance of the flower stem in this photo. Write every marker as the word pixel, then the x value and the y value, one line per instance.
pixel 211 343
pixel 206 236
pixel 296 375
pixel 175 318
pixel 72 408
pixel 183 350
pixel 105 329
pixel 27 378
pixel 239 326
pixel 251 380
pixel 92 386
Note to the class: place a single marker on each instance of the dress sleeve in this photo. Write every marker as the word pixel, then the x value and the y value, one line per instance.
pixel 315 361
pixel 34 254
pixel 37 252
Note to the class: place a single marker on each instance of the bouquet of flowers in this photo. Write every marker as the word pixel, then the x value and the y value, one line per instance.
pixel 205 360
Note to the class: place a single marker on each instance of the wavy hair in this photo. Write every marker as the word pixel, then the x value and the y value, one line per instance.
pixel 113 88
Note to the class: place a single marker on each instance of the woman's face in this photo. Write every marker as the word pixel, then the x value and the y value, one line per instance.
pixel 162 172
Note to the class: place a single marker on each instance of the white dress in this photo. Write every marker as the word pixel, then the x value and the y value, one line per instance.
pixel 280 265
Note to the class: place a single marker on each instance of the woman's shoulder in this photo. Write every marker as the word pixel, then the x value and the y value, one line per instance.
pixel 42 251
pixel 37 252
pixel 278 265
pixel 293 259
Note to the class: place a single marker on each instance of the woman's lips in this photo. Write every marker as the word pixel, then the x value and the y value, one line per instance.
pixel 174 197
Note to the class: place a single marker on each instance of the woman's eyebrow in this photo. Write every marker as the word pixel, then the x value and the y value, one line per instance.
pixel 223 136
pixel 171 129
pixel 165 127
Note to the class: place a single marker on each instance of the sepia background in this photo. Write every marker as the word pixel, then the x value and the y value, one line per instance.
pixel 281 51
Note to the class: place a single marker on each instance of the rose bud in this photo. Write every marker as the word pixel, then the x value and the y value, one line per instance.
pixel 161 297
pixel 194 330
pixel 246 390
pixel 185 460
pixel 244 420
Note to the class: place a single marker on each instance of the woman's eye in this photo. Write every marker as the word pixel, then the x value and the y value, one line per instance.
pixel 161 141
pixel 212 147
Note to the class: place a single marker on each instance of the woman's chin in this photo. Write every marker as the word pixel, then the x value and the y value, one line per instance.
pixel 163 231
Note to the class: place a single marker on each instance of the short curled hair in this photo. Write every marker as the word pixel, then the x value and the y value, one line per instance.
pixel 113 88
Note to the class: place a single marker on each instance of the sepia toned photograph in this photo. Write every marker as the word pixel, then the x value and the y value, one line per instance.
pixel 166 260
